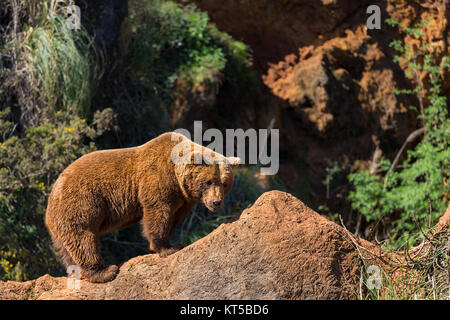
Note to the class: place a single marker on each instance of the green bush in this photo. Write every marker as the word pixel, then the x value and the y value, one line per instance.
pixel 414 195
pixel 171 52
pixel 166 51
pixel 63 63
pixel 171 42
pixel 55 67
pixel 28 168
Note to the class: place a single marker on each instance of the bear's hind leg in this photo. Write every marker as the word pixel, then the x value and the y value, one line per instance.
pixel 84 249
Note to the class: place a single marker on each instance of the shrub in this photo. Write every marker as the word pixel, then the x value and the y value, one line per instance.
pixel 414 195
pixel 170 55
pixel 171 42
pixel 28 168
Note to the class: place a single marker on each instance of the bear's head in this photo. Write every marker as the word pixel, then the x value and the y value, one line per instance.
pixel 206 181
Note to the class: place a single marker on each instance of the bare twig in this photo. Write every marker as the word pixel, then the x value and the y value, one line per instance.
pixel 431 213
pixel 420 228
pixel 358 224
pixel 419 94
pixel 375 159
pixel 379 255
pixel 361 281
pixel 413 136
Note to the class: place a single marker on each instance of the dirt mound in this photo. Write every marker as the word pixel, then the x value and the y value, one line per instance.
pixel 277 249
pixel 444 222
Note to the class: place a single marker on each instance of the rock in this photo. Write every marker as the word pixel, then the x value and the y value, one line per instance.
pixel 445 219
pixel 275 29
pixel 277 249
pixel 443 224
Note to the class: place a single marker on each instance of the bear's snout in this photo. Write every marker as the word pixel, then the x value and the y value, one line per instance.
pixel 214 205
pixel 212 197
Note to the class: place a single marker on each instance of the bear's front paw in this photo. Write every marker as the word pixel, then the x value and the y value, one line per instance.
pixel 168 251
pixel 178 246
pixel 100 276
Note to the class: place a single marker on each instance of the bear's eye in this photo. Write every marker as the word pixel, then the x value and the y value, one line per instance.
pixel 209 183
pixel 225 185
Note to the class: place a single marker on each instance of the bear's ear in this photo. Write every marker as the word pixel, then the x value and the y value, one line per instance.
pixel 233 161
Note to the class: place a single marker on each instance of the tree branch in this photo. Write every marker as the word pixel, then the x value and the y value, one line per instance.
pixel 413 136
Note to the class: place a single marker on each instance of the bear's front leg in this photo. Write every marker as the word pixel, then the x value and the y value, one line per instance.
pixel 157 225
pixel 163 248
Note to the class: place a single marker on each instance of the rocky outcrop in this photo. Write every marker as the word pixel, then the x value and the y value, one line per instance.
pixel 444 223
pixel 277 249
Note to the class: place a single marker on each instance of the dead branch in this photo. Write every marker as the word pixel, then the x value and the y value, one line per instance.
pixel 413 136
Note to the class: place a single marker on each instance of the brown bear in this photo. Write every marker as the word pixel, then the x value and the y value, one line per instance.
pixel 107 190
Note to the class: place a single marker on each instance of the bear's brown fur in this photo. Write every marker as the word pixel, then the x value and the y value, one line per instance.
pixel 108 190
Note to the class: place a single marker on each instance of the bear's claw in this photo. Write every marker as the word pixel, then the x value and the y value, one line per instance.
pixel 167 252
pixel 101 276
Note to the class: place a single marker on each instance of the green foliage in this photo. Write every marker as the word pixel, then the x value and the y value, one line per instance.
pixel 335 178
pixel 59 64
pixel 62 61
pixel 170 55
pixel 28 168
pixel 170 42
pixel 415 194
